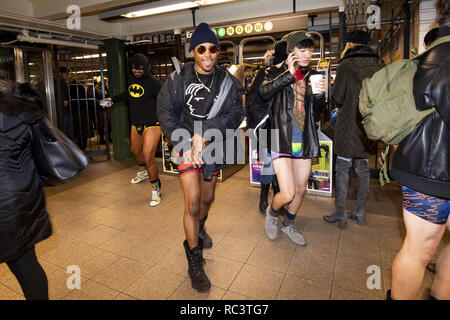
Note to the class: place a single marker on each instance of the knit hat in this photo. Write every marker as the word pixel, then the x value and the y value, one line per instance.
pixel 203 34
pixel 295 37
pixel 358 36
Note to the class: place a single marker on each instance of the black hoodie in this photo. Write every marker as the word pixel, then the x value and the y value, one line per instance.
pixel 141 93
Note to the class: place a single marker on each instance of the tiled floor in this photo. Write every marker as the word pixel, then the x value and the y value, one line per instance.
pixel 127 250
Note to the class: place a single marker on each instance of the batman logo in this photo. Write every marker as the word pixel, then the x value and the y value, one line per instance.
pixel 136 91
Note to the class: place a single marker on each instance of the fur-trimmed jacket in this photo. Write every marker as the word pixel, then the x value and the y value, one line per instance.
pixel 24 220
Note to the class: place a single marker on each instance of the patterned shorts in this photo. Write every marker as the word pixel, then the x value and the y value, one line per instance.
pixel 432 209
pixel 297 152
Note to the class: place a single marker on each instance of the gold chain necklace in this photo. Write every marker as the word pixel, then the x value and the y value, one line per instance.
pixel 210 86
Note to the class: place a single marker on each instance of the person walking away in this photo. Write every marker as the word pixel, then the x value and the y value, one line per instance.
pixel 358 61
pixel 24 220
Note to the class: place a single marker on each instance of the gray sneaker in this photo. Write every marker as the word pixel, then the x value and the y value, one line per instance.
pixel 295 235
pixel 271 225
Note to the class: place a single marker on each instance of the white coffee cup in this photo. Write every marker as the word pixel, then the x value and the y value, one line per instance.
pixel 315 78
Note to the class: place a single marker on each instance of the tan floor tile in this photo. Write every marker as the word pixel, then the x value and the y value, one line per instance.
pixel 171 233
pixel 312 267
pixel 352 276
pixel 221 272
pixel 97 236
pixel 155 284
pixel 112 218
pixel 319 244
pixel 186 292
pixel 91 290
pixel 361 247
pixel 150 252
pixel 257 283
pixel 294 288
pixel 76 228
pixel 274 255
pixel 8 280
pixel 229 295
pixel 175 261
pixel 121 243
pixel 6 293
pixel 148 227
pixel 319 226
pixel 57 284
pixel 121 274
pixel 95 261
pixel 364 260
pixel 67 253
pixel 122 296
pixel 338 293
pixel 234 249
pixel 248 231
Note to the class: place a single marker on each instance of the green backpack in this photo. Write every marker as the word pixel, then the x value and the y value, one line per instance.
pixel 386 103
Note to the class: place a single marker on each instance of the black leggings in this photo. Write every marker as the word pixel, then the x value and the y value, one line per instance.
pixel 31 276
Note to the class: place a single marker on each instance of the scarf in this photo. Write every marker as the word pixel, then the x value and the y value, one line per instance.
pixel 299 97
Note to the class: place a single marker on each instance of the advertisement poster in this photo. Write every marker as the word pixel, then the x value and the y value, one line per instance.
pixel 255 165
pixel 320 179
pixel 168 164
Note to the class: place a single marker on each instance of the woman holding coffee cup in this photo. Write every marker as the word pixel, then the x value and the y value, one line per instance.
pixel 294 141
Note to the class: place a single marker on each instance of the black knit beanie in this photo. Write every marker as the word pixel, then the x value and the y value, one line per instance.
pixel 203 34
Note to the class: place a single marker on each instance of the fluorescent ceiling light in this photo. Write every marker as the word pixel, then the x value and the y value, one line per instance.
pixel 158 7
pixel 161 9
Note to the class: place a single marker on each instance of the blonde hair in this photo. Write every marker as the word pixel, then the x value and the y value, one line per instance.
pixel 348 46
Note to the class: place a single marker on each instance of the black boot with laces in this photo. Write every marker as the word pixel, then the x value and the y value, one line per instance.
pixel 207 241
pixel 199 280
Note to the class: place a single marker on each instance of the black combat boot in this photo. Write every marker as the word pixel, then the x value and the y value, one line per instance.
pixel 207 241
pixel 199 280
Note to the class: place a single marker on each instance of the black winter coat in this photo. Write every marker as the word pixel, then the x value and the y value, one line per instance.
pixel 422 160
pixel 276 89
pixel 23 217
pixel 170 104
pixel 350 139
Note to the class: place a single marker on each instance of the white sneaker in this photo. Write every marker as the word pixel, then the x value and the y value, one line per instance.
pixel 295 235
pixel 156 196
pixel 140 176
pixel 271 225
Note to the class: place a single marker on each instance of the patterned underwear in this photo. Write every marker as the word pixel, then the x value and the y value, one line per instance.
pixel 297 152
pixel 432 209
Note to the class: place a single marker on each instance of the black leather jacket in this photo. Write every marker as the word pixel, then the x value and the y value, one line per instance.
pixel 276 88
pixel 422 160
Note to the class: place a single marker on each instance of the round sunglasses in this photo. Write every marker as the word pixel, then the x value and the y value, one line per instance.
pixel 212 49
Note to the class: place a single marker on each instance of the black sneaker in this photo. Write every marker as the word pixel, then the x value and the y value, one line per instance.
pixel 199 280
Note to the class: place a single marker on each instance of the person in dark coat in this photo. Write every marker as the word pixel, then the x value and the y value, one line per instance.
pixel 358 62
pixel 421 165
pixel 257 109
pixel 294 138
pixel 197 106
pixel 24 220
